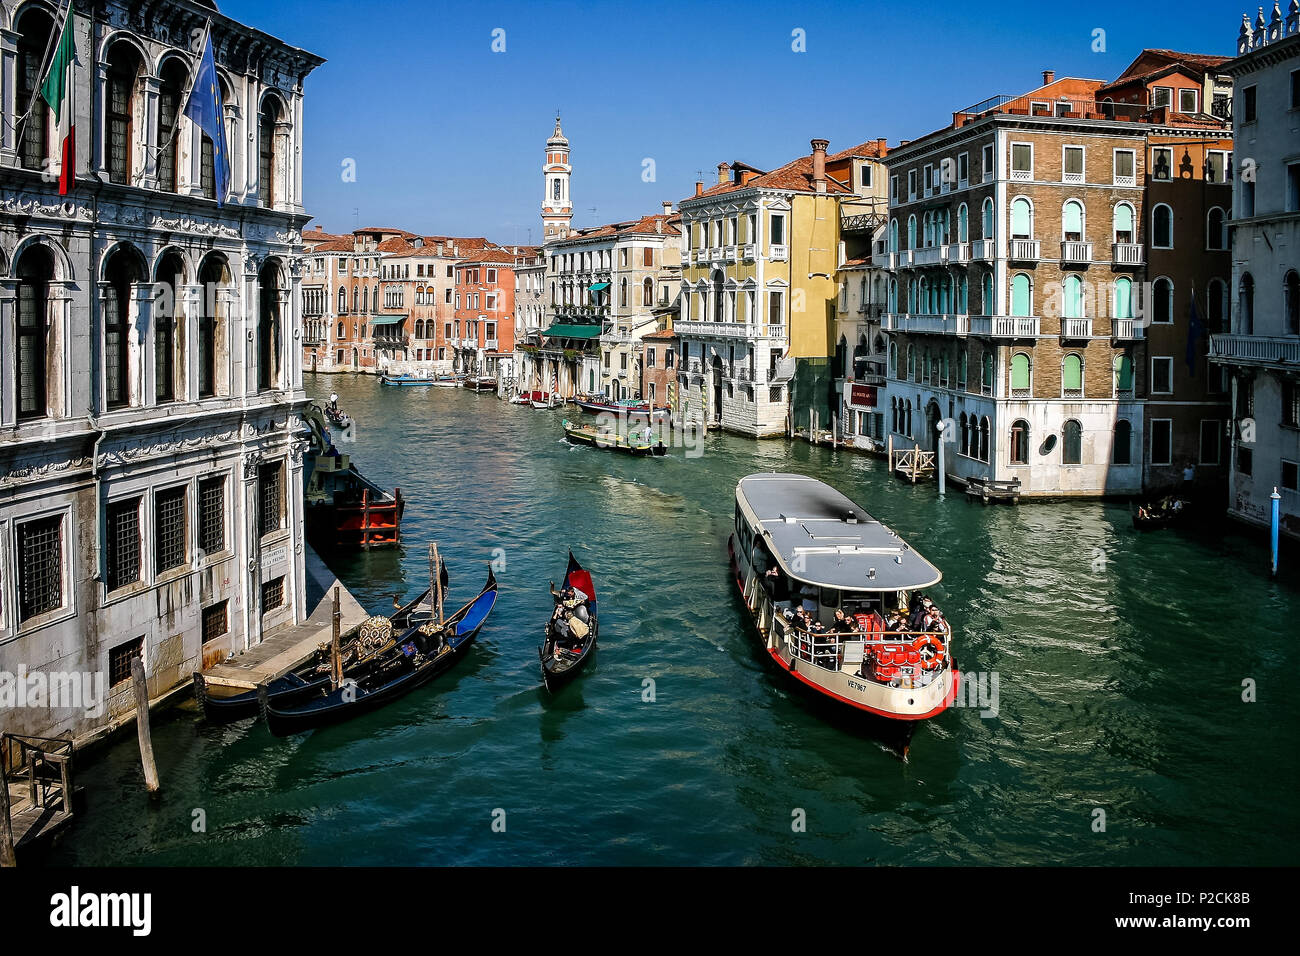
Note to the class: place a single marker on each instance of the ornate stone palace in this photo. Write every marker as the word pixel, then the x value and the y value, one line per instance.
pixel 150 354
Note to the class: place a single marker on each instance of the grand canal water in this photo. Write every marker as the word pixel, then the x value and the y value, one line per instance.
pixel 1120 660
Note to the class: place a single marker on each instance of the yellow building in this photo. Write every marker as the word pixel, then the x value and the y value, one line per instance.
pixel 759 256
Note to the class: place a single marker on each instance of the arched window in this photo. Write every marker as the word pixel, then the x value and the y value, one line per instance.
pixel 1072 443
pixel 1021 295
pixel 171 90
pixel 1216 305
pixel 267 160
pixel 1072 376
pixel 963 361
pixel 1246 304
pixel 1123 298
pixel 963 294
pixel 986 381
pixel 1124 374
pixel 268 328
pixel 555 188
pixel 911 232
pixel 121 273
pixel 356 298
pixel 986 294
pixel 1072 221
pixel 1124 223
pixel 1162 227
pixel 124 66
pixel 986 223
pixel 1021 371
pixel 911 361
pixel 1073 297
pixel 893 360
pixel 1162 301
pixel 893 235
pixel 963 224
pixel 1291 302
pixel 34 38
pixel 1216 236
pixel 1121 452
pixel 214 275
pixel 168 347
pixel 1020 442
pixel 965 435
pixel 35 271
pixel 343 300
pixel 342 331
pixel 985 428
pixel 648 292
pixel 1022 219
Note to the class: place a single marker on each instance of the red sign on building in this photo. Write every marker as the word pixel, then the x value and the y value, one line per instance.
pixel 863 396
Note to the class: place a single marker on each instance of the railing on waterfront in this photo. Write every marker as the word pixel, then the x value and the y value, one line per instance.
pixel 1256 348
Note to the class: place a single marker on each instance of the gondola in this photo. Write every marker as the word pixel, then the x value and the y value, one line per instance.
pixel 419 655
pixel 558 670
pixel 1162 514
pixel 359 647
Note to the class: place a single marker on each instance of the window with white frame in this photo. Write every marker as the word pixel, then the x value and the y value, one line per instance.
pixel 1022 161
pixel 1162 96
pixel 1072 164
pixel 986 163
pixel 1125 173
pixel 963 170
pixel 1162 375
pixel 1187 101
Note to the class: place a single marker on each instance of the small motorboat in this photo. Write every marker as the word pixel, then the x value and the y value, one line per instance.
pixel 417 656
pixel 627 407
pixel 612 441
pixel 408 379
pixel 565 654
pixel 543 400
pixel 480 384
pixel 990 490
pixel 359 649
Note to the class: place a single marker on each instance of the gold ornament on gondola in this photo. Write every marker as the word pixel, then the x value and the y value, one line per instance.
pixel 376 628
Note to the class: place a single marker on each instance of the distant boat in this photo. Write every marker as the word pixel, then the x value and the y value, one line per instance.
pixel 408 378
pixel 629 407
pixel 344 508
pixel 416 657
pixel 561 665
pixel 446 381
pixel 610 441
pixel 537 399
pixel 481 383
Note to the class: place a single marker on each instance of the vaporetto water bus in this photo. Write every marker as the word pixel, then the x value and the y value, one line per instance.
pixel 800 553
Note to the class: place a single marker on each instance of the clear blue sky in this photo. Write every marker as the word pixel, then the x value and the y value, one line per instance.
pixel 448 136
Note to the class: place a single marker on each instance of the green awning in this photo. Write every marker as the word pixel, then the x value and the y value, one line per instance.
pixel 562 331
pixel 599 287
pixel 388 320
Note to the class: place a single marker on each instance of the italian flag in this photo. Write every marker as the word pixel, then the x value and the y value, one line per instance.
pixel 59 91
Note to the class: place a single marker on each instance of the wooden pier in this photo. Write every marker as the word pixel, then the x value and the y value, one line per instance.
pixel 912 464
pixel 36 777
pixel 286 647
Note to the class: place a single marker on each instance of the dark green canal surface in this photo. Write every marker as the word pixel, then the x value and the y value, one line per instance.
pixel 1120 660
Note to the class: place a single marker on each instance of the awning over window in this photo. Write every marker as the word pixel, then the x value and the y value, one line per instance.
pixel 599 287
pixel 388 320
pixel 562 331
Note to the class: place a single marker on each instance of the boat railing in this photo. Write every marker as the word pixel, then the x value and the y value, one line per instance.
pixel 833 649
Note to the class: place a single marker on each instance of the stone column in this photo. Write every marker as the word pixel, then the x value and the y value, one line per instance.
pixel 9 107
pixel 99 136
pixel 63 373
pixel 294 514
pixel 190 306
pixel 151 87
pixel 246 530
pixel 139 335
pixel 8 346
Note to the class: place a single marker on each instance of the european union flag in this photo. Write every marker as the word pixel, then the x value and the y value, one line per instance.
pixel 206 110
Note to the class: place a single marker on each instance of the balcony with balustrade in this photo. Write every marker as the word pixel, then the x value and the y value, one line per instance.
pixel 1125 330
pixel 1127 254
pixel 944 324
pixel 982 250
pixel 778 253
pixel 1025 250
pixel 1076 329
pixel 748 331
pixel 1260 351
pixel 1005 326
pixel 1073 251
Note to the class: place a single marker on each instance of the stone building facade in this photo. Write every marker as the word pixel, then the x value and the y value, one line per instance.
pixel 150 356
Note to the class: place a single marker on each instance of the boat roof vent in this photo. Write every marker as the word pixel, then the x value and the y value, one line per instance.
pixel 788 519
pixel 851 518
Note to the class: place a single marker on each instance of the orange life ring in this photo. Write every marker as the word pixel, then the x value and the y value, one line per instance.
pixel 931 651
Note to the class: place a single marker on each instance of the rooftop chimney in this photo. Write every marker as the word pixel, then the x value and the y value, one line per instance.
pixel 668 207
pixel 659 226
pixel 1049 76
pixel 724 173
pixel 440 249
pixel 699 187
pixel 819 164
pixel 882 145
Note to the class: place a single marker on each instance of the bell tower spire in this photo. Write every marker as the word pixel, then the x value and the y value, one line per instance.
pixel 557 204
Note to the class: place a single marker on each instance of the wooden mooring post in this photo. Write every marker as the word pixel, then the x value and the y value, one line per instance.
pixel 142 724
pixel 7 857
pixel 336 662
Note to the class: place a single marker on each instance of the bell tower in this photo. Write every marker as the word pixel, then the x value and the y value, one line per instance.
pixel 557 205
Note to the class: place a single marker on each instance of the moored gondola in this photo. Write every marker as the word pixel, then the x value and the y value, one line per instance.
pixel 419 655
pixel 359 648
pixel 571 631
